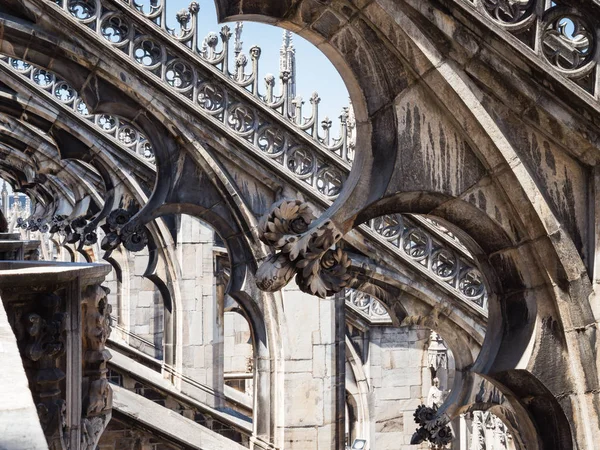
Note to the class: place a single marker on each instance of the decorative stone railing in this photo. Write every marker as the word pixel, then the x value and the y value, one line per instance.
pixel 367 306
pixel 60 316
pixel 485 430
pixel 561 37
pixel 273 125
pixel 428 251
pixel 447 261
pixel 119 30
pixel 119 130
pixel 425 244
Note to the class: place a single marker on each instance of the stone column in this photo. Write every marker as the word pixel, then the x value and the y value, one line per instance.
pixel 96 393
pixel 462 430
pixel 314 371
pixel 202 313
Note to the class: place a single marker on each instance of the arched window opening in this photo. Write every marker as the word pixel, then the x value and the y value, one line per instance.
pixel 238 370
pixel 138 305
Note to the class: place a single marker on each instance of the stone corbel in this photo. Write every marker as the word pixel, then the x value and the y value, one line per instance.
pixel 309 253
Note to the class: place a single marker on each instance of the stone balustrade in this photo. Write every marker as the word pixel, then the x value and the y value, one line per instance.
pixel 12 248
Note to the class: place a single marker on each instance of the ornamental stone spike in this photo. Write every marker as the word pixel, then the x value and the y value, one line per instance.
pixel 287 63
pixel 206 48
pixel 237 47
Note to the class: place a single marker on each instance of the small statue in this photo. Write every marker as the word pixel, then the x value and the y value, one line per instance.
pixel 435 397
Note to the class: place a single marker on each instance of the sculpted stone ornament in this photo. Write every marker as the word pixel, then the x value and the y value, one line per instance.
pixel 97 394
pixel 432 428
pixel 75 230
pixel 134 237
pixel 46 336
pixel 41 335
pixel 119 231
pixel 320 270
pixel 114 222
pixel 58 224
pixel 91 431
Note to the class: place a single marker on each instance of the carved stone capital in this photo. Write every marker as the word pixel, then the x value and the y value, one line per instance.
pixel 308 253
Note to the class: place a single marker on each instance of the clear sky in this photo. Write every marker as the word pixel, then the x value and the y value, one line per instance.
pixel 313 69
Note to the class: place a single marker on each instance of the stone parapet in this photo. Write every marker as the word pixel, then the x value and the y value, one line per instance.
pixel 60 317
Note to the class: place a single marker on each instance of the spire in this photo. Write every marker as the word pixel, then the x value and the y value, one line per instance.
pixel 287 62
pixel 4 199
pixel 237 45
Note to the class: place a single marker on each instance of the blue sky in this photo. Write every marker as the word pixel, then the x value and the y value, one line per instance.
pixel 314 71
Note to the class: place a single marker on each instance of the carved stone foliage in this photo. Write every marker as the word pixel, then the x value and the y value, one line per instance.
pixel 134 237
pixel 41 335
pixel 320 270
pixel 431 428
pixel 118 231
pixel 97 394
pixel 117 129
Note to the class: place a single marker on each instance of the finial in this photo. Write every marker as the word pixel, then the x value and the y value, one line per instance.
pixel 183 17
pixel 237 48
pixel 287 40
pixel 194 7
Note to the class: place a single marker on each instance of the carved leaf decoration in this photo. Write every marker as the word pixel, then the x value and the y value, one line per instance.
pixel 326 275
pixel 286 219
pixel 433 428
pixel 274 273
pixel 319 270
pixel 297 246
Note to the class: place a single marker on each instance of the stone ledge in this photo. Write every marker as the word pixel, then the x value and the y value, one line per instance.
pixel 168 423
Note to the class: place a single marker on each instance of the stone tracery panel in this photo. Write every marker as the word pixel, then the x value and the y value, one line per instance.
pixel 556 33
pixel 367 306
pixel 194 79
pixel 449 264
pixel 122 131
pixel 304 161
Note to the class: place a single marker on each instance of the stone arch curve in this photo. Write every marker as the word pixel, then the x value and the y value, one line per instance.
pixel 559 264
